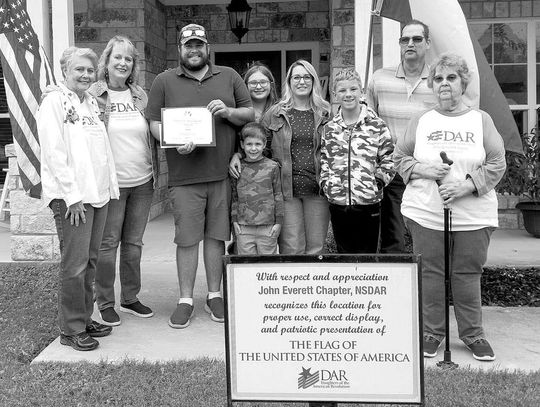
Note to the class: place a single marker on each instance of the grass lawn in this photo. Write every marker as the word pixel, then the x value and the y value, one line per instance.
pixel 27 325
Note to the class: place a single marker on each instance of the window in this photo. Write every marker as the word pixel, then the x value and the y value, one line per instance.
pixel 277 56
pixel 512 48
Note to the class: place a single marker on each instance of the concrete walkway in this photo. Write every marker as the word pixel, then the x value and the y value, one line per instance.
pixel 513 332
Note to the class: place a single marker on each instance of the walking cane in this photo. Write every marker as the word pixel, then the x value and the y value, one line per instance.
pixel 447 363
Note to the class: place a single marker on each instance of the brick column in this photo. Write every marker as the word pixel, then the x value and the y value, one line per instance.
pixel 342 23
pixel 33 232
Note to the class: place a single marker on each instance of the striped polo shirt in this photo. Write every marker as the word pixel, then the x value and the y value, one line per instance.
pixel 396 100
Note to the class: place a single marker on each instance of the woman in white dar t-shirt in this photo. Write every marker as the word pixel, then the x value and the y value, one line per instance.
pixel 470 139
pixel 78 179
pixel 121 103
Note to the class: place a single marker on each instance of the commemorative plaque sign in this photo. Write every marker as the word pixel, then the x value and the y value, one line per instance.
pixel 324 328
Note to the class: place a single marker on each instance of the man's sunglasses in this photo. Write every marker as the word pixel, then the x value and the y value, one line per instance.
pixel 189 33
pixel 417 39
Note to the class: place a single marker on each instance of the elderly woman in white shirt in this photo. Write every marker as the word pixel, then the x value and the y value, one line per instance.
pixel 468 137
pixel 78 180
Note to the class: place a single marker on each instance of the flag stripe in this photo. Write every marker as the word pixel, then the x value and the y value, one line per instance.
pixel 29 165
pixel 21 96
pixel 46 77
pixel 13 54
pixel 29 87
pixel 26 72
pixel 29 160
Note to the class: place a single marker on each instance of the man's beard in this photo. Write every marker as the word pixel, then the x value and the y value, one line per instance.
pixel 195 67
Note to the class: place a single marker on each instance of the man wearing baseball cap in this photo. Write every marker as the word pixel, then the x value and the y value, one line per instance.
pixel 198 176
pixel 193 32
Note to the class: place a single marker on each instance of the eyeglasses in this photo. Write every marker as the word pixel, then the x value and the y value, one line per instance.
pixel 449 78
pixel 263 83
pixel 298 78
pixel 189 33
pixel 417 39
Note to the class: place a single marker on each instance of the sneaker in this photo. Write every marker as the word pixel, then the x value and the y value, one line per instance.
pixel 181 317
pixel 97 330
pixel 431 346
pixel 481 350
pixel 109 317
pixel 137 309
pixel 82 341
pixel 215 308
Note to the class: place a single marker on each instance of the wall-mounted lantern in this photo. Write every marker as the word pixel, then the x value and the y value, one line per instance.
pixel 239 12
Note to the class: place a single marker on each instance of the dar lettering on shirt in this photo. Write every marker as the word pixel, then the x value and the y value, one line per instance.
pixel 463 137
pixel 129 140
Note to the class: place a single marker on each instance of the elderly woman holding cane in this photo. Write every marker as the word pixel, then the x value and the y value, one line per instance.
pixel 121 103
pixel 469 138
pixel 78 180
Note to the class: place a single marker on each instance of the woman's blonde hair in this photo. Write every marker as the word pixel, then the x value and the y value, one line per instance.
pixel 317 103
pixel 102 73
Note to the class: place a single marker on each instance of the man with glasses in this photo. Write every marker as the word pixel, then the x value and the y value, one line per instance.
pixel 198 176
pixel 396 94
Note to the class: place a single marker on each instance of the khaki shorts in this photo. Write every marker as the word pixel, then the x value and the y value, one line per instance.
pixel 201 211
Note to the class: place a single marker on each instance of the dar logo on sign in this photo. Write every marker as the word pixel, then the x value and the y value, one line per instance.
pixel 307 379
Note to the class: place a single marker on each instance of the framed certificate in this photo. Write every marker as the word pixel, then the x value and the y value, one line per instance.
pixel 180 125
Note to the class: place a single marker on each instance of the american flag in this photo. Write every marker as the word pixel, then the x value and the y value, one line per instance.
pixel 307 378
pixel 26 72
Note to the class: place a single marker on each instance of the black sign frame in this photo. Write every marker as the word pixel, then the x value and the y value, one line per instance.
pixel 325 258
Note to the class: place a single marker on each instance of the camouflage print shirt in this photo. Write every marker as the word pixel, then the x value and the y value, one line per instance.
pixel 356 160
pixel 256 196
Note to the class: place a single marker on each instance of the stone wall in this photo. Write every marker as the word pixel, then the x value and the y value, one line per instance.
pixel 342 23
pixel 143 22
pixel 33 232
pixel 269 23
pixel 343 39
pixel 509 216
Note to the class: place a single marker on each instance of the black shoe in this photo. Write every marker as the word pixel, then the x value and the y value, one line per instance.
pixel 81 341
pixel 97 330
pixel 109 317
pixel 215 308
pixel 431 346
pixel 481 350
pixel 137 309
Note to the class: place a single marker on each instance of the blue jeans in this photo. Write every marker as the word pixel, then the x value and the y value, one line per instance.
pixel 79 247
pixel 305 225
pixel 468 253
pixel 126 223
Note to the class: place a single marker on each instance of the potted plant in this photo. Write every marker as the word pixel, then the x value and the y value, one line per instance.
pixel 522 178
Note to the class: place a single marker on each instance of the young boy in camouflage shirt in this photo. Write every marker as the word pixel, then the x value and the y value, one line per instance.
pixel 356 163
pixel 257 200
